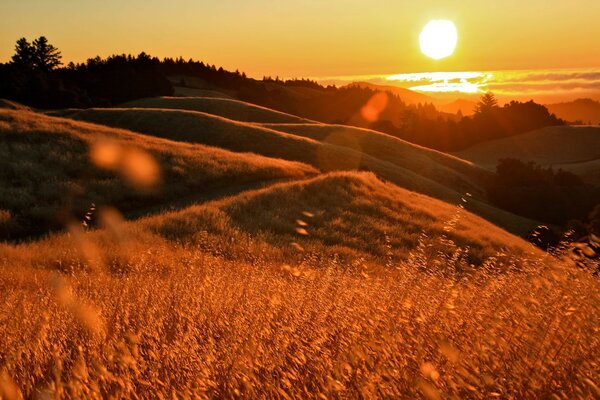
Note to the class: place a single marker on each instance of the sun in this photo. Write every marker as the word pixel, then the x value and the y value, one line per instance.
pixel 438 38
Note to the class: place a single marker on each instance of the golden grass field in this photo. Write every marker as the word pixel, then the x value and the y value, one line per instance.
pixel 327 283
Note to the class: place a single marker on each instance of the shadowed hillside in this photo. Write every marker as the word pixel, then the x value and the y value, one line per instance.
pixel 228 108
pixel 378 221
pixel 47 175
pixel 581 110
pixel 192 92
pixel 440 167
pixel 571 148
pixel 406 95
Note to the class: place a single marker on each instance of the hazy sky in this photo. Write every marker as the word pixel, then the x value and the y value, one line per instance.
pixel 314 37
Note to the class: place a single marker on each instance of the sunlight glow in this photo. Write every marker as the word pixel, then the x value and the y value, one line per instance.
pixel 438 39
pixel 441 82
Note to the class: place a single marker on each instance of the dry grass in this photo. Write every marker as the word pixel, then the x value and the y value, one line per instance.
pixel 200 319
pixel 46 172
pixel 335 286
pixel 229 108
pixel 421 170
pixel 350 215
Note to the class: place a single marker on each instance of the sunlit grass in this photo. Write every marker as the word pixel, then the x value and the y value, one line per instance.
pixel 198 325
pixel 335 286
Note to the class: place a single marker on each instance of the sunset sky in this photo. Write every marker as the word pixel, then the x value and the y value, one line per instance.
pixel 315 38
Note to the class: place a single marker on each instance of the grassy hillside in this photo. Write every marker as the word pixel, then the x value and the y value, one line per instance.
pixel 353 215
pixel 193 92
pixel 53 169
pixel 438 166
pixel 11 105
pixel 421 170
pixel 375 298
pixel 349 214
pixel 216 131
pixel 228 108
pixel 575 148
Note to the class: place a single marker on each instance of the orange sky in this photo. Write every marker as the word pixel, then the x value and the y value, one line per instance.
pixel 314 37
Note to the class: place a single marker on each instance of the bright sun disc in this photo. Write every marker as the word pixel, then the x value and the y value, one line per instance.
pixel 438 38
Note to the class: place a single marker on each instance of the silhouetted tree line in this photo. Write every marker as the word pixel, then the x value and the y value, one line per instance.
pixel 35 77
pixel 557 197
pixel 489 122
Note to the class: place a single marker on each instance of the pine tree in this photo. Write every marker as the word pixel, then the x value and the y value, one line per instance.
pixel 486 103
pixel 24 55
pixel 46 57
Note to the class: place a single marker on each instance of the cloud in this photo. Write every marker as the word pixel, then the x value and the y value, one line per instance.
pixel 516 84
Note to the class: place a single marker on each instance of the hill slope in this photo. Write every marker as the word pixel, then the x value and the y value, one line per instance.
pixel 408 96
pixel 237 136
pixel 348 214
pixel 584 110
pixel 47 168
pixel 573 148
pixel 452 171
pixel 243 305
pixel 229 108
pixel 339 285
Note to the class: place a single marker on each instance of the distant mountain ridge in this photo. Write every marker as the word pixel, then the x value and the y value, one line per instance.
pixel 586 111
pixel 466 107
pixel 407 95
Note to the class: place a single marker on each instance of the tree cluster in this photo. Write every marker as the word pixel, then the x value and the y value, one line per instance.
pixel 558 198
pixel 35 77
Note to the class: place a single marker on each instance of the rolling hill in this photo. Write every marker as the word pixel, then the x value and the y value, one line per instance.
pixel 228 108
pixel 378 220
pixel 435 179
pixel 584 110
pixel 47 170
pixel 434 164
pixel 408 96
pixel 466 107
pixel 573 148
pixel 328 284
pixel 193 92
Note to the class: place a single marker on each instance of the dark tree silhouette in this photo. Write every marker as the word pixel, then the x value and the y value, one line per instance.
pixel 24 57
pixel 39 55
pixel 46 57
pixel 486 104
pixel 530 190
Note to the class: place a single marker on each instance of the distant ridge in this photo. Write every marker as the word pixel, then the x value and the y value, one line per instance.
pixel 407 95
pixel 466 107
pixel 584 110
pixel 227 108
pixel 572 148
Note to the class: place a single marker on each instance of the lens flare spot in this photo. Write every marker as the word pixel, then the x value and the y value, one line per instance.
pixel 374 107
pixel 140 168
